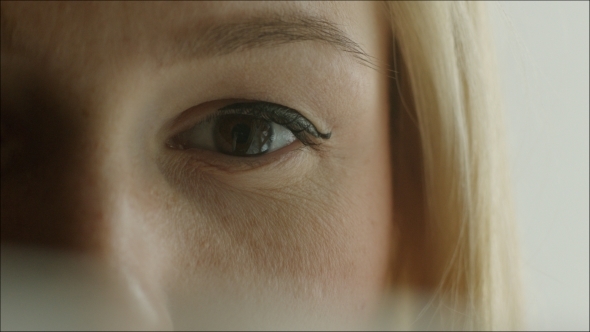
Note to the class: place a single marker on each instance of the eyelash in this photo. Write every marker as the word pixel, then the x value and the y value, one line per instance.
pixel 301 128
pixel 291 119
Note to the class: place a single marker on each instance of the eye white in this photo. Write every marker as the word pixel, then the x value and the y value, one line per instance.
pixel 202 136
pixel 281 137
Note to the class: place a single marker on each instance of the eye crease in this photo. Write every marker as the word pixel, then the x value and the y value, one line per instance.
pixel 249 129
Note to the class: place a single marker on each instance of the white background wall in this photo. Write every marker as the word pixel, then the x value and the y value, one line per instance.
pixel 543 57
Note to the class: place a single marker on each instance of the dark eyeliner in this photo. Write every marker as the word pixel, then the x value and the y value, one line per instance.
pixel 301 127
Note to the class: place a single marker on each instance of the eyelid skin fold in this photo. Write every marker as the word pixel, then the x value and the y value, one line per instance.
pixel 284 116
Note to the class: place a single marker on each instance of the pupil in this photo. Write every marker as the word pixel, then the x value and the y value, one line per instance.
pixel 240 133
pixel 243 135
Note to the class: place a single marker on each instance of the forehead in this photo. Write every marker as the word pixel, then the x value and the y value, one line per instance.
pixel 44 28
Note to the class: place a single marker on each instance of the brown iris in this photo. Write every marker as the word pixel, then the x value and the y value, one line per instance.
pixel 241 135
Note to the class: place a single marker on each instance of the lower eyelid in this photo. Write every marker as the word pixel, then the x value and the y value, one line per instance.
pixel 211 161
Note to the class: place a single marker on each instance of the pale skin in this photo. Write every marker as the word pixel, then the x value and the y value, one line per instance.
pixel 91 94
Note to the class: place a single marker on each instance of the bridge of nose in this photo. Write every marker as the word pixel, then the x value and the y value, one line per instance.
pixel 80 186
pixel 62 192
pixel 82 181
pixel 79 152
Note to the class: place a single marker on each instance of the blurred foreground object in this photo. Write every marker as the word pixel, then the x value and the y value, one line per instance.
pixel 46 290
pixel 52 290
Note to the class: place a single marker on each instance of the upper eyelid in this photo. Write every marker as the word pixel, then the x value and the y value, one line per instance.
pixel 265 111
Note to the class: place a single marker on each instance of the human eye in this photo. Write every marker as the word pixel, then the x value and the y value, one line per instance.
pixel 249 129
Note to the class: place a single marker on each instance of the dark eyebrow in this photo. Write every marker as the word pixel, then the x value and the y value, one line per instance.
pixel 262 32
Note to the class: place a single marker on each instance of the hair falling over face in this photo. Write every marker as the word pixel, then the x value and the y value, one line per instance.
pixel 451 191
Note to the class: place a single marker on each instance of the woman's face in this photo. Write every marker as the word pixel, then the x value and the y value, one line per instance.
pixel 233 151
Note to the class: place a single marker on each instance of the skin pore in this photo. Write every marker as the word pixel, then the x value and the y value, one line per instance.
pixel 91 93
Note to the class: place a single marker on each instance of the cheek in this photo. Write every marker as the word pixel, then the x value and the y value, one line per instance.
pixel 321 243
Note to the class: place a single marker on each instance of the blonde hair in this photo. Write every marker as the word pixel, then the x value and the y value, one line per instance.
pixel 452 200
